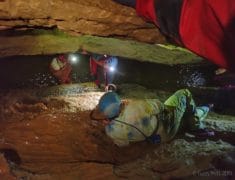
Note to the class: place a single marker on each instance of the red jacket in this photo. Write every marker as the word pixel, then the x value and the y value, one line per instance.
pixel 206 27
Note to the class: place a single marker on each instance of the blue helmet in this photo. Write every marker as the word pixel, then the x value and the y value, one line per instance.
pixel 112 61
pixel 109 104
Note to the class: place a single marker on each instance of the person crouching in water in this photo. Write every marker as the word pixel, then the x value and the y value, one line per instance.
pixel 150 119
pixel 102 67
pixel 61 69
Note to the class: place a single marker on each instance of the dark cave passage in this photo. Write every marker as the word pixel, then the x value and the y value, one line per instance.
pixel 33 71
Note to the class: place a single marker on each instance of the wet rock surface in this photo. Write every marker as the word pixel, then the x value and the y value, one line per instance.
pixel 46 134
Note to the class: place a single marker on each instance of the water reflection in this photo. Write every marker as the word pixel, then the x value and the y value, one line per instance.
pixel 193 78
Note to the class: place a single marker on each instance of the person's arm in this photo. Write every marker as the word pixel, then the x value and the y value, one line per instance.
pixel 116 134
pixel 130 3
pixel 105 61
pixel 100 62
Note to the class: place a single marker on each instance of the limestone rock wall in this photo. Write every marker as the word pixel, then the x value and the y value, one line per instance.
pixel 99 17
pixel 100 26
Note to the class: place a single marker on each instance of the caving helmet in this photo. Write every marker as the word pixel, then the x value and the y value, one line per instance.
pixel 62 58
pixel 109 104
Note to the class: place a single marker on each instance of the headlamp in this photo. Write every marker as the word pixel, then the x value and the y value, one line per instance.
pixel 73 58
pixel 111 69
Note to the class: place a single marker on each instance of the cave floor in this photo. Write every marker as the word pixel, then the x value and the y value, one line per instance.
pixel 48 134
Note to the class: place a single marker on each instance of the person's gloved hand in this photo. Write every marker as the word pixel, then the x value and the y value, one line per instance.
pixel 203 133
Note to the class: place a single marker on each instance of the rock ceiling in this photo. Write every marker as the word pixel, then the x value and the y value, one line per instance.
pixel 100 18
pixel 76 18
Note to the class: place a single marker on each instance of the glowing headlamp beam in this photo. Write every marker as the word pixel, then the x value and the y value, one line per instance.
pixel 111 69
pixel 73 58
